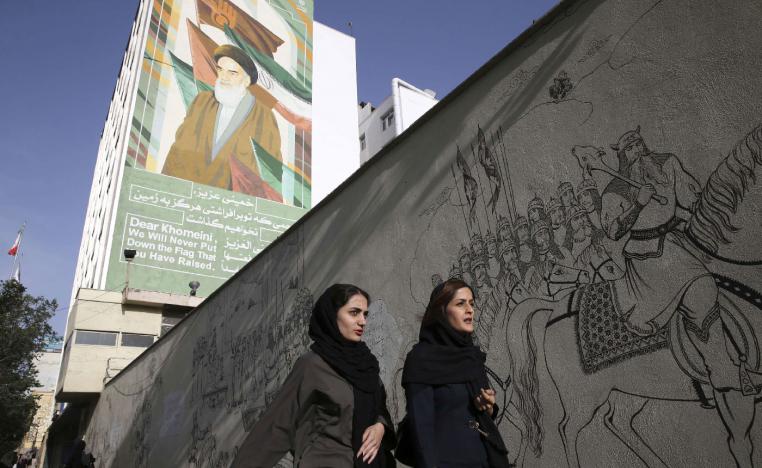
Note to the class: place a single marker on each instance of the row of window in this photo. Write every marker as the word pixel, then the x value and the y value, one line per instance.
pixel 387 121
pixel 100 338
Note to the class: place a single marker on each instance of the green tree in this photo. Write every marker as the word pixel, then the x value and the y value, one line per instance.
pixel 24 332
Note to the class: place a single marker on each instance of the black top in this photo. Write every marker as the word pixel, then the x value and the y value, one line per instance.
pixel 439 417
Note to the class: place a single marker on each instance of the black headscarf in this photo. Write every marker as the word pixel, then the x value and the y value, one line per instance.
pixel 351 360
pixel 444 355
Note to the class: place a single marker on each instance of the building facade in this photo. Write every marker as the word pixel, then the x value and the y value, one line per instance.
pixel 195 217
pixel 47 364
pixel 194 237
pixel 380 125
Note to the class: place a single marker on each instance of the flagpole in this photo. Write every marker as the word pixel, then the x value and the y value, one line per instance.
pixel 13 268
pixel 17 270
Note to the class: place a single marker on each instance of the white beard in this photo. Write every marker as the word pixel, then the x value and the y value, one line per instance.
pixel 229 96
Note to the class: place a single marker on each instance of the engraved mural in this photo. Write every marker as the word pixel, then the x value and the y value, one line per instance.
pixel 597 184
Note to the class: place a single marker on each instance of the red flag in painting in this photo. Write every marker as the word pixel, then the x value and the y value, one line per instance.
pixel 219 13
pixel 15 248
pixel 202 52
pixel 244 180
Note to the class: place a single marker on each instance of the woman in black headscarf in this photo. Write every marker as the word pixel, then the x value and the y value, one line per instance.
pixel 449 403
pixel 331 410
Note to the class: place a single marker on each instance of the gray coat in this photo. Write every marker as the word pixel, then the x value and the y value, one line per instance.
pixel 310 417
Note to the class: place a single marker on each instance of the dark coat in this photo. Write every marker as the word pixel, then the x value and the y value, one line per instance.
pixel 439 422
pixel 311 417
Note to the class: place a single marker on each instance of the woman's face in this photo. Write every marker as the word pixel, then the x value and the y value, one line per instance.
pixel 351 318
pixel 460 311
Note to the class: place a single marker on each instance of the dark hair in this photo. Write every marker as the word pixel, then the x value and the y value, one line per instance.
pixel 440 297
pixel 341 293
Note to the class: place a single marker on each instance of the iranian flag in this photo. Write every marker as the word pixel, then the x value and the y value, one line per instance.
pixel 15 248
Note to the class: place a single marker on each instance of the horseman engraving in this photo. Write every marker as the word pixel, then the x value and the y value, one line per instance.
pixel 631 287
pixel 643 202
pixel 665 314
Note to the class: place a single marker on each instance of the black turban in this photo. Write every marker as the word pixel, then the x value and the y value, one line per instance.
pixel 240 57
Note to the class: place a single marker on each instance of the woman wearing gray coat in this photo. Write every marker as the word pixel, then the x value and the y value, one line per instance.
pixel 331 410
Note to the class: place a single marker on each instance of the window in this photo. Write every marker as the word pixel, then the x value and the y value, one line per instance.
pixel 362 142
pixel 170 319
pixel 387 120
pixel 95 338
pixel 136 340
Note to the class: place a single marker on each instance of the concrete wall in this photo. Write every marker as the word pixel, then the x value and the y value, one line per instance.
pixel 686 74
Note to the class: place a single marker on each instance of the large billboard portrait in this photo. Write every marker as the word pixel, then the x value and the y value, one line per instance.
pixel 219 154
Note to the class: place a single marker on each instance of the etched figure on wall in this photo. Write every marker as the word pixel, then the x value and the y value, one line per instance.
pixel 503 229
pixel 665 313
pixel 557 217
pixel 590 201
pixel 510 273
pixel 579 232
pixel 558 264
pixel 478 248
pixel 493 262
pixel 566 195
pixel 526 253
pixel 656 246
pixel 486 302
pixel 536 210
pixel 464 264
pixel 213 145
pixel 546 255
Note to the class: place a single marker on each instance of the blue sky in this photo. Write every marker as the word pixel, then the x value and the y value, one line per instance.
pixel 60 61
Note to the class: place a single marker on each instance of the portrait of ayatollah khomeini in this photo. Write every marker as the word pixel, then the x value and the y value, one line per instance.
pixel 213 144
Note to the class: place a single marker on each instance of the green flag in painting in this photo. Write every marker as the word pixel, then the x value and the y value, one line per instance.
pixel 189 86
pixel 279 74
pixel 302 196
pixel 298 20
pixel 272 171
pixel 185 80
